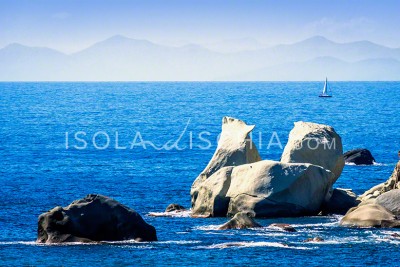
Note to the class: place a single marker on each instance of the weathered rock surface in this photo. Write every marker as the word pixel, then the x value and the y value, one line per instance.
pixel 275 189
pixel 340 202
pixel 209 198
pixel 234 149
pixel 370 215
pixel 317 144
pixel 284 226
pixel 392 183
pixel 92 219
pixel 390 200
pixel 359 156
pixel 174 208
pixel 241 220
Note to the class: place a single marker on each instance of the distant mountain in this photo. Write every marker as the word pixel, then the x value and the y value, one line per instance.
pixel 316 69
pixel 124 59
pixel 236 45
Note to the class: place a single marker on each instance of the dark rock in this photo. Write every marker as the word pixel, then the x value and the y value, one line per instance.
pixel 395 235
pixel 92 219
pixel 360 156
pixel 241 220
pixel 174 207
pixel 315 239
pixel 340 202
pixel 283 226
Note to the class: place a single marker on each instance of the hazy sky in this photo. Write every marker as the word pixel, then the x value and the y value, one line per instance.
pixel 69 25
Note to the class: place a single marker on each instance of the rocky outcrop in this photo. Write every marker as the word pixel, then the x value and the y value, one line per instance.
pixel 241 220
pixel 236 180
pixel 359 156
pixel 392 183
pixel 234 148
pixel 370 215
pixel 390 200
pixel 317 144
pixel 275 189
pixel 92 219
pixel 340 202
pixel 174 208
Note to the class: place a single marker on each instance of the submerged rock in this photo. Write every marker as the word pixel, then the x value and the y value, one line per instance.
pixel 174 208
pixel 92 219
pixel 359 156
pixel 340 202
pixel 370 215
pixel 390 200
pixel 275 189
pixel 314 239
pixel 392 183
pixel 241 220
pixel 317 144
pixel 284 226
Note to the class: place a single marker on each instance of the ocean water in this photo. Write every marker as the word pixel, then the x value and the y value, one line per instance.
pixel 39 171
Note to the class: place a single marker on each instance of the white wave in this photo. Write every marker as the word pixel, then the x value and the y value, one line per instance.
pixel 329 224
pixel 185 213
pixel 30 243
pixel 207 227
pixel 250 244
pixel 179 242
pixel 363 165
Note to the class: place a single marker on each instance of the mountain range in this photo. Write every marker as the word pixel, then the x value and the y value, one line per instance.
pixel 124 59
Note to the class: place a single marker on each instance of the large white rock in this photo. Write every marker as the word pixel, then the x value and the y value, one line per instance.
pixel 370 215
pixel 273 189
pixel 390 200
pixel 234 148
pixel 317 144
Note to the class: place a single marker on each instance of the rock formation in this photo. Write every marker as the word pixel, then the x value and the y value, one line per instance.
pixel 317 144
pixel 236 180
pixel 370 215
pixel 92 219
pixel 392 183
pixel 234 149
pixel 359 156
pixel 275 189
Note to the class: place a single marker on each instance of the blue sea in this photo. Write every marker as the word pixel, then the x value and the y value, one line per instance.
pixel 149 146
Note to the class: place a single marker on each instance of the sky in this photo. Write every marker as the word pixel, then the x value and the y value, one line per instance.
pixel 71 25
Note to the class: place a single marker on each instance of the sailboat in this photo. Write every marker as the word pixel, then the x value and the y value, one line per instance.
pixel 325 90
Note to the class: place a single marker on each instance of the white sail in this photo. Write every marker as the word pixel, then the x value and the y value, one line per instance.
pixel 325 91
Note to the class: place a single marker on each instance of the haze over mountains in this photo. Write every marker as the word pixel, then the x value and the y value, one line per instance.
pixel 123 59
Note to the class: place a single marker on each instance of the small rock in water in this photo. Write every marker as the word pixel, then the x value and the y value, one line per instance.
pixel 395 235
pixel 283 226
pixel 241 220
pixel 174 207
pixel 359 156
pixel 315 239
